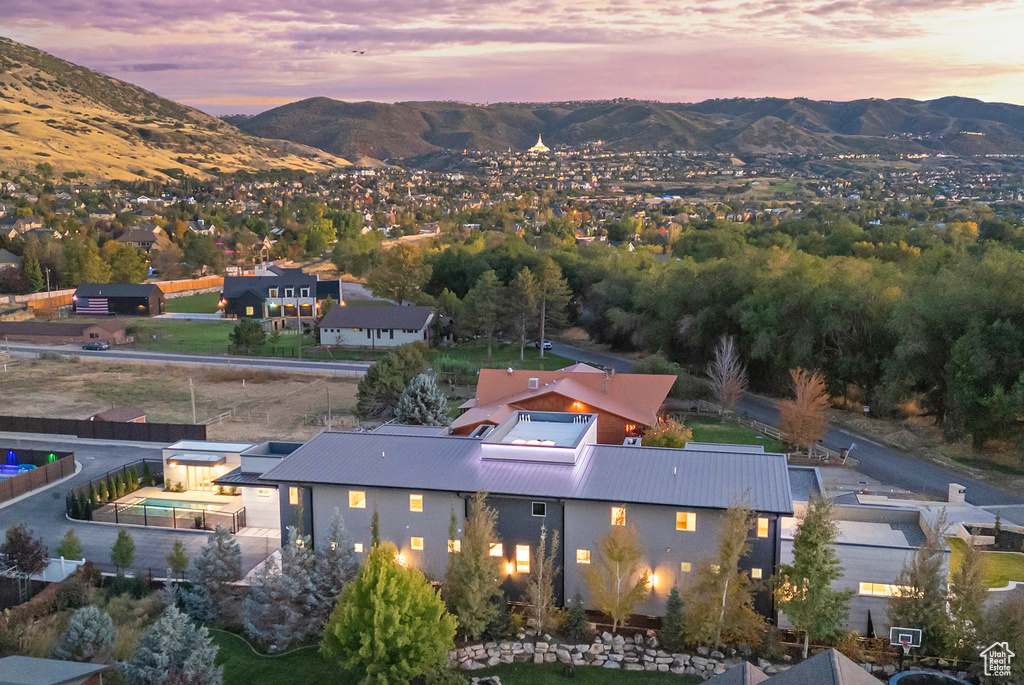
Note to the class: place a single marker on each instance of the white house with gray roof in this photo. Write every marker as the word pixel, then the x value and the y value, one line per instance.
pixel 373 326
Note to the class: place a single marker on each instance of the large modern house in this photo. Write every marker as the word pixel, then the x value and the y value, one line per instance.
pixel 539 468
pixel 626 405
pixel 281 296
pixel 376 326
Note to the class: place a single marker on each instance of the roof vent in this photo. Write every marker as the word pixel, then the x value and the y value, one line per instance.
pixel 534 383
pixel 510 370
pixel 481 430
pixel 631 442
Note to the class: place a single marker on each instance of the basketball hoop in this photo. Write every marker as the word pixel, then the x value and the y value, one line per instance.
pixel 906 646
pixel 906 638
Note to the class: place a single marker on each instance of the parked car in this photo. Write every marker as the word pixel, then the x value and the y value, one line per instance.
pixel 547 344
pixel 96 346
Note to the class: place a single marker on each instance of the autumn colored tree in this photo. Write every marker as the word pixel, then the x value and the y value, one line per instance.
pixel 669 433
pixel 726 374
pixel 399 275
pixel 803 419
pixel 615 581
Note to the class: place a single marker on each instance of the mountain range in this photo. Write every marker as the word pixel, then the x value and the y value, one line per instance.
pixel 951 125
pixel 81 121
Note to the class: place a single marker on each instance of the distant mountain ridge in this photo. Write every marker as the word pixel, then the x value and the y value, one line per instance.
pixel 952 125
pixel 81 121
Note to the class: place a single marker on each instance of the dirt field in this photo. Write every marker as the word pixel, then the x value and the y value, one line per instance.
pixel 270 405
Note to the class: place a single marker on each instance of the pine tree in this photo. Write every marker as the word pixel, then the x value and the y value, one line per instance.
pixel 94 497
pixel 178 559
pixel 671 636
pixel 283 606
pixel 804 588
pixel 473 574
pixel 615 580
pixel 522 306
pixel 219 562
pixel 147 475
pixel 423 404
pixel 336 562
pixel 175 650
pixel 540 587
pixel 967 594
pixel 575 627
pixel 89 637
pixel 31 273
pixel 485 304
pixel 552 298
pixel 70 546
pixel 375 528
pixel 122 554
pixel 921 594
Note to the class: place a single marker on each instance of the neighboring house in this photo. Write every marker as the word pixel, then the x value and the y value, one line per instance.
pixel 373 326
pixel 830 667
pixel 138 299
pixel 29 670
pixel 627 405
pixel 27 223
pixel 280 296
pixel 42 234
pixel 125 414
pixel 539 468
pixel 9 260
pixel 112 332
pixel 144 237
pixel 260 499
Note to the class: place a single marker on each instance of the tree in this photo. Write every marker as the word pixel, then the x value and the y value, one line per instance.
pixel 726 374
pixel 380 390
pixel 552 298
pixel 83 264
pixel 804 588
pixel 282 606
pixel 1004 621
pixel 522 306
pixel 178 559
pixel 920 598
pixel 173 652
pixel 202 252
pixel 540 586
pixel 32 273
pixel 70 547
pixel 122 554
pixel 375 528
pixel 668 434
pixel 127 266
pixel 721 608
pixel 575 627
pixel 400 274
pixel 167 261
pixel 473 574
pixel 672 635
pixel 219 562
pixel 422 403
pixel 485 304
pixel 336 561
pixel 615 581
pixel 803 419
pixel 389 622
pixel 89 637
pixel 967 595
pixel 24 552
pixel 449 305
pixel 248 333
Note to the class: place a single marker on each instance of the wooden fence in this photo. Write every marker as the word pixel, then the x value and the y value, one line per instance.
pixel 16 486
pixel 104 430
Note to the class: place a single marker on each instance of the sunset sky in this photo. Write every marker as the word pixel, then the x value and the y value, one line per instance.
pixel 227 56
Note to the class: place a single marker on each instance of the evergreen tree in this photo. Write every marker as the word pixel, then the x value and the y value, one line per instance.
pixel 375 528
pixel 122 554
pixel 178 559
pixel 24 552
pixel 804 588
pixel 552 298
pixel 70 546
pixel 615 580
pixel 473 574
pixel 575 627
pixel 540 586
pixel 423 404
pixel 389 622
pixel 485 304
pixel 672 634
pixel 380 390
pixel 921 595
pixel 219 562
pixel 967 594
pixel 522 306
pixel 31 273
pixel 174 651
pixel 89 637
pixel 336 562
pixel 283 606
pixel 247 334
pixel 147 475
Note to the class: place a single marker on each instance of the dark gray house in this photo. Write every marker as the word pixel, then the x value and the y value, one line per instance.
pixel 137 299
pixel 539 468
pixel 281 296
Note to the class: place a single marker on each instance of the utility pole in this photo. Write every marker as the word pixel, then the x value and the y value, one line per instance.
pixel 192 392
pixel 298 314
pixel 47 279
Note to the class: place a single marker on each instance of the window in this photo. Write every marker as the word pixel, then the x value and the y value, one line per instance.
pixel 415 502
pixel 273 292
pixel 881 589
pixel 715 568
pixel 359 548
pixel 540 508
pixel 686 567
pixel 94 335
pixel 522 558
pixel 416 543
pixel 293 495
pixel 391 333
pixel 756 573
pixel 356 499
pixel 762 527
pixel 686 520
pixel 497 550
pixel 455 545
pixel 289 292
pixel 263 492
pixel 304 292
pixel 583 556
pixel 248 311
pixel 618 516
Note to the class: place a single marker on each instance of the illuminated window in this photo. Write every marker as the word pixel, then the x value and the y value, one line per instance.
pixel 356 499
pixel 248 311
pixel 273 292
pixel 359 548
pixel 416 543
pixel 686 520
pixel 522 558
pixel 540 509
pixel 293 495
pixel 686 567
pixel 415 502
pixel 755 573
pixel 497 550
pixel 618 516
pixel 263 492
pixel 881 589
pixel 762 527
pixel 455 545
pixel 583 556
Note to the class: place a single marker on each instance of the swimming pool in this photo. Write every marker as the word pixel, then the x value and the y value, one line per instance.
pixel 156 503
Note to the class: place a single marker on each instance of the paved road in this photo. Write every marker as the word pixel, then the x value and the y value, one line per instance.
pixel 877 461
pixel 44 511
pixel 343 368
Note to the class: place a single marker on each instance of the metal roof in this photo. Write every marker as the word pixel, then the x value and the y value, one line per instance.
pixel 27 670
pixel 205 446
pixel 407 429
pixel 614 473
pixel 385 317
pixel 117 290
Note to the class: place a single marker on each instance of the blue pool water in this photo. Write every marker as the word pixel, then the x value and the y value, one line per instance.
pixel 151 503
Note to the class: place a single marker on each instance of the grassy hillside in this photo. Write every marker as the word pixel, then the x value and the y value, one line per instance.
pixel 79 120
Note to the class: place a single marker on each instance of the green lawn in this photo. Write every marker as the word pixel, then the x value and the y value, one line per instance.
pixel 185 337
pixel 711 429
pixel 503 356
pixel 998 568
pixel 203 303
pixel 243 667
pixel 551 674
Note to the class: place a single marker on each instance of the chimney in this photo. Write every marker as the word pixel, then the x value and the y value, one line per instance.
pixel 957 494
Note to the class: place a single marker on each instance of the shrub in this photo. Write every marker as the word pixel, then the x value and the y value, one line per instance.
pixel 458 370
pixel 89 637
pixel 443 675
pixel 147 476
pixel 72 593
pixel 137 588
pixel 575 626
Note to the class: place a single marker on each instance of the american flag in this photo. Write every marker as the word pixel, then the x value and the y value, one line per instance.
pixel 92 305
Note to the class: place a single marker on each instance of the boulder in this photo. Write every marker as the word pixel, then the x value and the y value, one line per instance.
pixel 634 667
pixel 538 658
pixel 562 655
pixel 493 661
pixel 610 664
pixel 717 655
